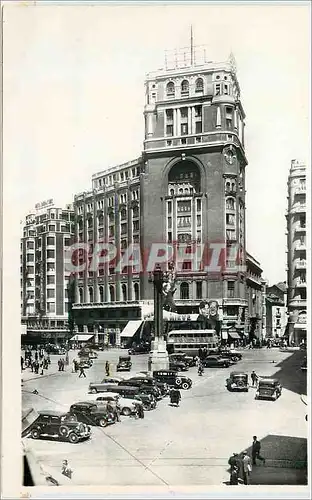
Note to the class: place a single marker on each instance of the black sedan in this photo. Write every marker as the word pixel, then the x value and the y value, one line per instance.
pixel 216 361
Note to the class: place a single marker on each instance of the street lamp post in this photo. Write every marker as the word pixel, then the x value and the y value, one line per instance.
pixel 158 358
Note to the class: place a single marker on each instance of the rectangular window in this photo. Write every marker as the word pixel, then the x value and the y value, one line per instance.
pixel 230 219
pixel 30 245
pixel 50 280
pixel 218 89
pixel 198 127
pixel 50 254
pixel 231 289
pixel 184 128
pixel 169 130
pixel 199 289
pixel 198 111
pixel 136 225
pixel 50 240
pixel 198 220
pixel 124 228
pixel 30 257
pixel 169 237
pixel 169 115
pixel 51 307
pixel 67 242
pixel 50 293
pixel 30 269
pixel 184 113
pixel 187 266
pixel 50 266
pixel 198 205
pixel 169 207
pixel 51 228
pixel 225 89
pixel 169 222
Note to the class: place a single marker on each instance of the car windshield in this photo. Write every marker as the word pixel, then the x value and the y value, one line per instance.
pixel 69 418
pixel 267 385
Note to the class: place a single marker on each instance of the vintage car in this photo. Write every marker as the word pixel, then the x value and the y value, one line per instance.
pixel 181 356
pixel 125 405
pixel 172 379
pixel 85 363
pixel 59 425
pixel 93 413
pixel 237 381
pixel 268 388
pixel 146 385
pixel 216 361
pixel 148 400
pixel 143 348
pixel 177 366
pixel 232 354
pixel 124 364
pixel 95 387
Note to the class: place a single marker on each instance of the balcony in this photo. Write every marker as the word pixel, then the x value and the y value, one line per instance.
pixel 301 190
pixel 300 246
pixel 301 283
pixel 298 208
pixel 301 264
pixel 300 228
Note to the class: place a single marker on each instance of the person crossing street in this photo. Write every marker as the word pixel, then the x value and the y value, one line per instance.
pixel 255 453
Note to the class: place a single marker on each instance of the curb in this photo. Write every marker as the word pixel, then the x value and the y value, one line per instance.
pixel 39 376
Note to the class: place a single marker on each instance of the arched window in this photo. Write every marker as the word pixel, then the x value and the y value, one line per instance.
pixel 228 186
pixel 80 295
pixel 170 89
pixel 91 294
pixel 184 291
pixel 180 191
pixel 185 172
pixel 171 192
pixel 136 291
pixel 185 88
pixel 186 190
pixel 101 290
pixel 230 204
pixel 233 186
pixel 124 292
pixel 199 86
pixel 112 293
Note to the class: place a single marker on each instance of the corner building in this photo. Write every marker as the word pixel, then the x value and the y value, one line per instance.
pixel 187 188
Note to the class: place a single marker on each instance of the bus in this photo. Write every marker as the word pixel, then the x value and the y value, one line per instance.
pixel 190 336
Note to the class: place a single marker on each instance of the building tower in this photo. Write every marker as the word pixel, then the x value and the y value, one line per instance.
pixel 296 251
pixel 46 234
pixel 193 181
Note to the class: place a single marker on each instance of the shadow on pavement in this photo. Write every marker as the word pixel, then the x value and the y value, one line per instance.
pixel 285 461
pixel 290 375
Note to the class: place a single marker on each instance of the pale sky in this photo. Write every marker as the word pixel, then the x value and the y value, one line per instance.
pixel 74 98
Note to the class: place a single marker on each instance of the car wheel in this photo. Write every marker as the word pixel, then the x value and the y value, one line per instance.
pixel 102 422
pixel 126 411
pixel 178 381
pixel 185 385
pixel 94 391
pixel 235 359
pixel 63 431
pixel 35 434
pixel 147 406
pixel 73 438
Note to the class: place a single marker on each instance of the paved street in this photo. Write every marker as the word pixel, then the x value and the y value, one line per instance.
pixel 189 445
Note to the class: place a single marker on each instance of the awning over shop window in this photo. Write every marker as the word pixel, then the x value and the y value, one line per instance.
pixel 131 328
pixel 81 337
pixel 234 335
pixel 300 326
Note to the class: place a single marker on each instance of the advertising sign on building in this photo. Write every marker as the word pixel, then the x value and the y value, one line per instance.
pixel 44 204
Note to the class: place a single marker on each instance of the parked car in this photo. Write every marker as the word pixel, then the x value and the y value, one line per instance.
pixel 148 400
pixel 93 413
pixel 147 386
pixel 85 363
pixel 177 366
pixel 164 389
pixel 124 364
pixel 181 356
pixel 61 425
pixel 268 388
pixel 95 387
pixel 139 349
pixel 231 354
pixel 172 379
pixel 237 381
pixel 216 361
pixel 125 405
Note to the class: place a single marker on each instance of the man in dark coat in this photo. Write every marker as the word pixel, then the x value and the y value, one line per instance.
pixel 255 452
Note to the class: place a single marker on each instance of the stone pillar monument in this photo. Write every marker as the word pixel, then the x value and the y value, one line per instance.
pixel 158 358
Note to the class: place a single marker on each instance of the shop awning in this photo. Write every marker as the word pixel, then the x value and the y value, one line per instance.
pixel 81 337
pixel 130 328
pixel 234 335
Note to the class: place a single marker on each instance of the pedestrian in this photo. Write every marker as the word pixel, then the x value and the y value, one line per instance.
pixel 37 367
pixel 36 355
pixel 41 366
pixel 175 397
pixel 49 359
pixel 22 363
pixel 82 372
pixel 74 366
pixel 66 470
pixel 233 460
pixel 140 410
pixel 255 453
pixel 246 467
pixel 107 368
pixel 59 365
pixel 254 378
pixel 63 364
pixel 234 475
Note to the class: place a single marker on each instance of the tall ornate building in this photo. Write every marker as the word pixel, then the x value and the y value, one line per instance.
pixel 46 233
pixel 187 190
pixel 297 252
